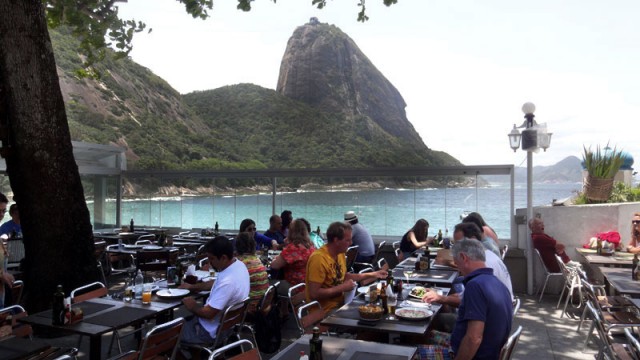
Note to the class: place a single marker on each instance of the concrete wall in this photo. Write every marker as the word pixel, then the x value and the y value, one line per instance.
pixel 573 226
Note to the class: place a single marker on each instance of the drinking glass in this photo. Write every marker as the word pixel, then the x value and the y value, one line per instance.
pixel 392 301
pixel 146 294
pixel 128 293
pixel 408 274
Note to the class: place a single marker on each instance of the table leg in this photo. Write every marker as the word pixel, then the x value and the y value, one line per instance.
pixel 95 347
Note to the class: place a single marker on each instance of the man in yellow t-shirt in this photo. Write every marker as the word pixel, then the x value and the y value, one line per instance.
pixel 327 278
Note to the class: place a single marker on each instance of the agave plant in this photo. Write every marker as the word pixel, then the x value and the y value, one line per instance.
pixel 602 164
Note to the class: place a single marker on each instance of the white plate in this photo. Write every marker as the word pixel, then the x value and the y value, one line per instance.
pixel 131 247
pixel 365 289
pixel 413 313
pixel 415 296
pixel 152 247
pixel 172 293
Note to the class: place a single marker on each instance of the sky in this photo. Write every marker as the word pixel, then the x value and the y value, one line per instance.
pixel 463 67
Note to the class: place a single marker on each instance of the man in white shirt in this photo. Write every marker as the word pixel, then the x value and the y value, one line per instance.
pixel 230 287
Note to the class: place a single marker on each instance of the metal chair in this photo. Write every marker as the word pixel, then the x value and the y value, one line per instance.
pixel 351 255
pixel 297 298
pixel 231 322
pixel 87 292
pixel 153 261
pixel 310 315
pixel 633 343
pixel 378 250
pixel 251 354
pixel 264 307
pixel 143 242
pixel 161 342
pixel 126 262
pixel 572 282
pixel 503 251
pixel 548 274
pixel 516 306
pixel 382 264
pixel 507 348
pixel 368 281
pixel 16 291
pixel 18 329
pixel 150 237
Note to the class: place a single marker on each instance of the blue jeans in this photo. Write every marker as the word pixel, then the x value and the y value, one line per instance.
pixel 194 333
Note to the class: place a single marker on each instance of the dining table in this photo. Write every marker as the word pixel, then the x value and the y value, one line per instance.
pixel 335 348
pixel 103 315
pixel 619 281
pixel 438 275
pixel 617 259
pixel 348 315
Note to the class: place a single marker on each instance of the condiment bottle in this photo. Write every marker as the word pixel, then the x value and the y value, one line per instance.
pixel 57 311
pixel 417 264
pixel 303 356
pixel 315 345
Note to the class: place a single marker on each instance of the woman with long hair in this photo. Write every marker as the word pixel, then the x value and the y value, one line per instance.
pixel 258 277
pixel 249 226
pixel 415 238
pixel 294 256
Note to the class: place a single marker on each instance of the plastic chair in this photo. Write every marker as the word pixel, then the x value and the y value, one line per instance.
pixel 507 348
pixel 161 342
pixel 548 274
pixel 251 354
pixel 351 255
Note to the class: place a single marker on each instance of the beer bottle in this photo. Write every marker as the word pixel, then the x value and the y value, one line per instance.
pixel 131 226
pixel 417 264
pixel 57 310
pixel 383 298
pixel 216 229
pixel 390 282
pixel 315 345
pixel 634 268
pixel 439 237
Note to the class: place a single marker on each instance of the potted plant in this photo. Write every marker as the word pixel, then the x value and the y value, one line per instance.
pixel 601 167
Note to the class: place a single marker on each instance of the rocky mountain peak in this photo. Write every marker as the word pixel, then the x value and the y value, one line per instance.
pixel 324 67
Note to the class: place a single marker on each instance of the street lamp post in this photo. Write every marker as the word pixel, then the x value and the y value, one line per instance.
pixel 533 137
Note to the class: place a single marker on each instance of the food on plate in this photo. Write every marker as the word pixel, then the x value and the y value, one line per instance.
pixel 418 292
pixel 413 313
pixel 370 312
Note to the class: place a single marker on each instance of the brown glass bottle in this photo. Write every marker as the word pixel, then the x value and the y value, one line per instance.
pixel 315 345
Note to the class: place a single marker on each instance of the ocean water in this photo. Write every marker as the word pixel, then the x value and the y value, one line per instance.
pixel 388 212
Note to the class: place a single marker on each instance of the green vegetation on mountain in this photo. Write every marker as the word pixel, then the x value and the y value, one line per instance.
pixel 234 127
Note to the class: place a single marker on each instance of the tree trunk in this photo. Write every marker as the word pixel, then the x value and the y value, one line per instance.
pixel 42 170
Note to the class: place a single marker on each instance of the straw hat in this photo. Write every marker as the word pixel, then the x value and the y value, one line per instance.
pixel 350 216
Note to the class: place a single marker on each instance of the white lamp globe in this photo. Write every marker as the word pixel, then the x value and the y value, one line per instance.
pixel 528 108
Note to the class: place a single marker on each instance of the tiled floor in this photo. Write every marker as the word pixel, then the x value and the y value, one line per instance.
pixel 545 335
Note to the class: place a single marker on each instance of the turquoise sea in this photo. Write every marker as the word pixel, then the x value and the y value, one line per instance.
pixel 384 212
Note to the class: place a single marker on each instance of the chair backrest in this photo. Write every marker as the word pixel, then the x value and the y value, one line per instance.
pixel 603 334
pixel 163 339
pixel 16 291
pixel 16 312
pixel 634 344
pixel 571 277
pixel 503 251
pixel 544 266
pixel 152 260
pixel 89 291
pixel 367 281
pixel 251 354
pixel 378 249
pixel 396 244
pixel 15 247
pixel 232 317
pixel 399 254
pixel 297 297
pixel 309 315
pixel 202 262
pixel 507 348
pixel 516 306
pixel 143 242
pixel 351 254
pixel 382 264
pixel 267 300
pixel 150 237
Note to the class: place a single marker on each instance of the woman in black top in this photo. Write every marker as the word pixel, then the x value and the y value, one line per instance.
pixel 415 238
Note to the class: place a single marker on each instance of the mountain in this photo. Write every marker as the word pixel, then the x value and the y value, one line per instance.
pixel 322 66
pixel 568 170
pixel 243 126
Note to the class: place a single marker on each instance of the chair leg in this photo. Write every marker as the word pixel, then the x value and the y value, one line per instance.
pixel 566 302
pixel 564 288
pixel 582 317
pixel 543 287
pixel 586 341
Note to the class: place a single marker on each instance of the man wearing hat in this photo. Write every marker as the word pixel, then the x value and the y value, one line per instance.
pixel 361 237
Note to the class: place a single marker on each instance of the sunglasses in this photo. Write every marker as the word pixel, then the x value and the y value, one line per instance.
pixel 635 222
